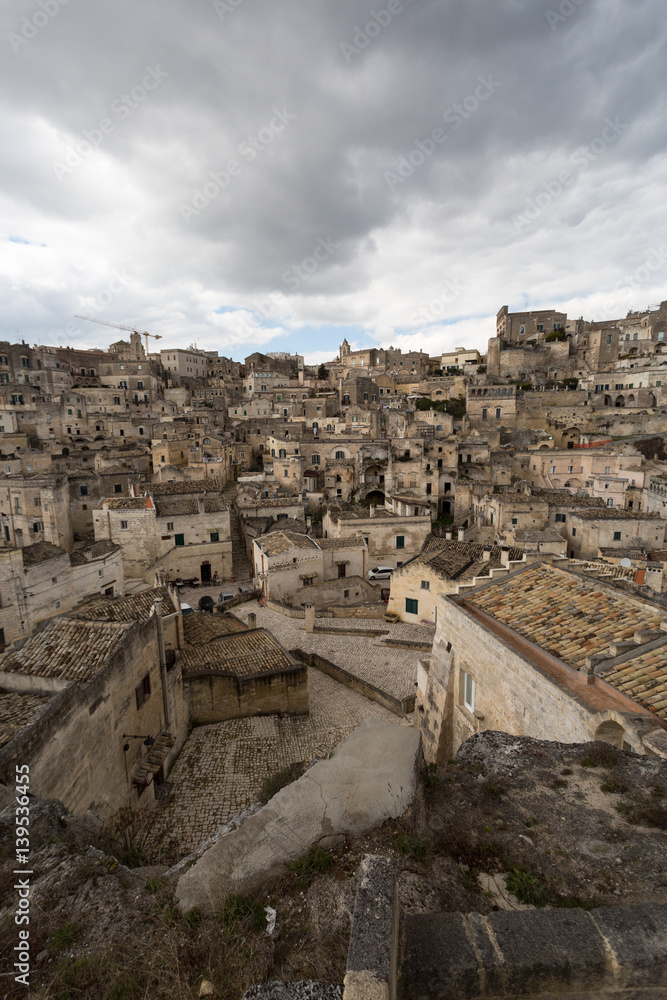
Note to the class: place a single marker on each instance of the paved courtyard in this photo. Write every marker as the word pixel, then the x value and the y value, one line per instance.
pixel 367 657
pixel 221 768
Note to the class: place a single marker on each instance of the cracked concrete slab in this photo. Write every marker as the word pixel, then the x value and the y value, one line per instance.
pixel 369 778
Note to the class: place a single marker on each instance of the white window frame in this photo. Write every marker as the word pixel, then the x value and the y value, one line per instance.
pixel 468 691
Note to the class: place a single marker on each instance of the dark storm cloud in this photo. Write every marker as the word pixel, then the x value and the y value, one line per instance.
pixel 208 147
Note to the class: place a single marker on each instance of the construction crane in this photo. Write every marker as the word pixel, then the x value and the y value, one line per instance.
pixel 142 333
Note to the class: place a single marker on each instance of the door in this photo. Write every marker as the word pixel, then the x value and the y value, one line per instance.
pixel 205 572
pixel 341 570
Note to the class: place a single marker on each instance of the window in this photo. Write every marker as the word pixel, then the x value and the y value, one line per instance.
pixel 426 585
pixel 84 491
pixel 123 525
pixel 617 536
pixel 308 582
pixel 400 541
pixel 340 454
pixel 610 502
pixel 179 539
pixel 116 400
pixel 37 502
pixel 411 606
pixel 607 470
pixel 498 413
pixel 560 518
pixel 215 536
pixel 468 691
pixel 515 520
pixel 140 384
pixel 282 453
pixel 143 691
pixel 170 525
pixel 574 532
pixel 38 526
pixel 346 593
pixel 484 413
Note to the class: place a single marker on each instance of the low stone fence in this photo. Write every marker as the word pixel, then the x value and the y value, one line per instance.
pixel 397 706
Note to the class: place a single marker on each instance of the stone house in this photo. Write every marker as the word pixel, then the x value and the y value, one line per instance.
pixel 103 706
pixel 589 529
pixel 440 568
pixel 391 539
pixel 297 569
pixel 35 508
pixel 41 580
pixel 86 487
pixel 231 671
pixel 544 653
pixel 176 530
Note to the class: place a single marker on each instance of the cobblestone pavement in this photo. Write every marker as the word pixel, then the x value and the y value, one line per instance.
pixel 367 657
pixel 220 770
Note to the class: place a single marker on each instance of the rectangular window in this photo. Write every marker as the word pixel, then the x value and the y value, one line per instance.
pixel 118 488
pixel 561 518
pixel 484 413
pixel 38 526
pixel 426 585
pixel 215 536
pixel 617 536
pixel 468 686
pixel 400 541
pixel 179 539
pixel 143 691
pixel 574 532
pixel 515 520
pixel 498 413
pixel 170 525
pixel 315 460
pixel 123 524
pixel 411 606
pixel 84 491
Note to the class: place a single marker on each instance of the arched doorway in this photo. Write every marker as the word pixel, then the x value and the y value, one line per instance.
pixel 612 733
pixel 620 401
pixel 375 496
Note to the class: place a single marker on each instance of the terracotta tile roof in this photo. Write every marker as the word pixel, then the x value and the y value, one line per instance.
pixel 245 654
pixel 131 608
pixel 644 679
pixel 17 709
pixel 282 541
pixel 201 628
pixel 566 615
pixel 66 649
pixel 93 551
pixel 563 498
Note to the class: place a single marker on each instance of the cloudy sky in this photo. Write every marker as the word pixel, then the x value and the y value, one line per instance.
pixel 272 175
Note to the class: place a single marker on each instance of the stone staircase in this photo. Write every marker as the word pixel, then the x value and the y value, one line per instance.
pixel 241 567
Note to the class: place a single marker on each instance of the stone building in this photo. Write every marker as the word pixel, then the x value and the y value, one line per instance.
pixel 440 568
pixel 391 539
pixel 116 713
pixel 178 529
pixel 42 580
pixel 231 671
pixel 35 508
pixel 298 570
pixel 544 653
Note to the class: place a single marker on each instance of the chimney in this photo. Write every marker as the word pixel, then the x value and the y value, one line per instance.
pixel 310 617
pixel 504 556
pixel 461 534
pixel 486 554
pixel 200 505
pixel 372 510
pixel 252 620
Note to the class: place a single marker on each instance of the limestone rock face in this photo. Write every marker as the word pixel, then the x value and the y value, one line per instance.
pixel 370 777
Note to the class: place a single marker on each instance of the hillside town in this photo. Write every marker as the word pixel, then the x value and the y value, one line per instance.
pixel 214 570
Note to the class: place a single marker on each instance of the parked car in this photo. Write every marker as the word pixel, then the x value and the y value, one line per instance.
pixel 245 588
pixel 186 610
pixel 380 573
pixel 225 596
pixel 206 603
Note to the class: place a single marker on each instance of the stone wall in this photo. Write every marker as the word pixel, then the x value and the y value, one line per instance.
pixel 215 697
pixel 75 749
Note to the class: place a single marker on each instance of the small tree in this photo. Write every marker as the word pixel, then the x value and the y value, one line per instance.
pixel 322 372
pixel 424 403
